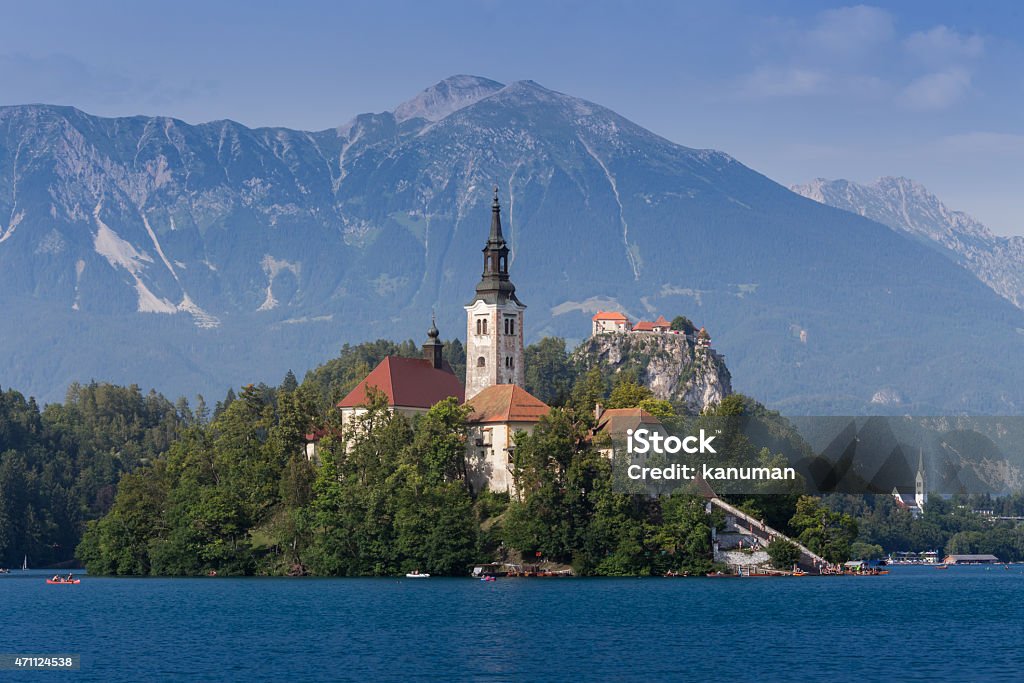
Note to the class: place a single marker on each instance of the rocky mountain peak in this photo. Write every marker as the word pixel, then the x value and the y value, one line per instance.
pixel 445 97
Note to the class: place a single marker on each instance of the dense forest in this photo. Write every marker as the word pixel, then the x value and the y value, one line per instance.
pixel 60 466
pixel 141 485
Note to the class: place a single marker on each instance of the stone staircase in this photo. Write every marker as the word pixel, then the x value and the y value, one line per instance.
pixel 753 532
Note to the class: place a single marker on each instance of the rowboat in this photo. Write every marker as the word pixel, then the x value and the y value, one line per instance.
pixel 51 581
pixel 417 575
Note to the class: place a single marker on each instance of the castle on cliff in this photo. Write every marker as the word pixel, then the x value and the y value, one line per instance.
pixel 604 322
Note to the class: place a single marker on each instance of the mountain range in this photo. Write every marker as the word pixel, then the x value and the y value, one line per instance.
pixel 191 258
pixel 907 206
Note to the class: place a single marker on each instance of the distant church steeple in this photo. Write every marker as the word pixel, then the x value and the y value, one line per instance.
pixel 920 488
pixel 494 319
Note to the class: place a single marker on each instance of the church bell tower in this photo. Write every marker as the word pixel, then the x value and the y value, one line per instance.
pixel 494 319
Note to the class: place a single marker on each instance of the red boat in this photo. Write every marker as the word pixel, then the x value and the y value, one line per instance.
pixel 51 581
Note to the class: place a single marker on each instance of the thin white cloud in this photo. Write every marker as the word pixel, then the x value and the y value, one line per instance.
pixel 856 53
pixel 937 90
pixel 850 32
pixel 770 81
pixel 942 45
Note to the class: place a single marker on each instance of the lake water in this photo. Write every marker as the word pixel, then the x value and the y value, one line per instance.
pixel 917 623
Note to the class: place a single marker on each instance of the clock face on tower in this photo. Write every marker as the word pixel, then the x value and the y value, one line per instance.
pixel 494 319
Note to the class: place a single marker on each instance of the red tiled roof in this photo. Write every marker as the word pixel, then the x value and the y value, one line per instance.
pixel 506 403
pixel 610 315
pixel 661 322
pixel 408 383
pixel 643 326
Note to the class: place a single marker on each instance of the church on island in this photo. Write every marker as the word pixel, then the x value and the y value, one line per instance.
pixel 494 392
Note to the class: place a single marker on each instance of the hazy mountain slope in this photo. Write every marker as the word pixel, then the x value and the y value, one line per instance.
pixel 266 249
pixel 905 205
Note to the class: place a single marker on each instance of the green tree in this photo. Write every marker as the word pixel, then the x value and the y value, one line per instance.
pixel 683 324
pixel 629 394
pixel 548 372
pixel 825 532
pixel 783 554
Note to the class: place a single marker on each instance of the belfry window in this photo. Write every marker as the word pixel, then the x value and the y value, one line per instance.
pixel 485 325
pixel 510 325
pixel 481 362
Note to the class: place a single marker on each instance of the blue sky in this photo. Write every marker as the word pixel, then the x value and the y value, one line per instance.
pixel 930 90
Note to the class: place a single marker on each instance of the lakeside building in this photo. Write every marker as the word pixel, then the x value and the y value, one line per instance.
pixel 971 559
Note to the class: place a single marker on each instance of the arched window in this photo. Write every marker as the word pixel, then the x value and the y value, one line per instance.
pixel 501 261
pixel 481 362
pixel 485 325
pixel 478 328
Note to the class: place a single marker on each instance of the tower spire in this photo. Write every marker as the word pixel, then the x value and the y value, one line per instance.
pixel 496 239
pixel 495 285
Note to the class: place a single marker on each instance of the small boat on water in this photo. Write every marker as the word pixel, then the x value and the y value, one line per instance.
pixel 488 578
pixel 942 566
pixel 24 564
pixel 799 572
pixel 416 575
pixel 52 582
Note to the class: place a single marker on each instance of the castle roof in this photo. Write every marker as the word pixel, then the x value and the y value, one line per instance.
pixel 661 322
pixel 407 383
pixel 610 315
pixel 506 403
pixel 644 326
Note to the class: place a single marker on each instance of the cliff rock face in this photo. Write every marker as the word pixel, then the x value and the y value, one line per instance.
pixel 671 365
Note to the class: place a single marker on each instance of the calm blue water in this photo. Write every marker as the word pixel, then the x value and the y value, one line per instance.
pixel 914 624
